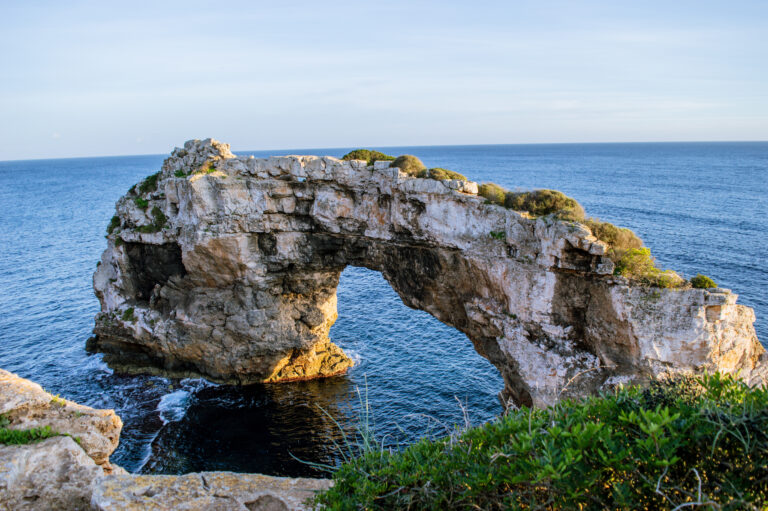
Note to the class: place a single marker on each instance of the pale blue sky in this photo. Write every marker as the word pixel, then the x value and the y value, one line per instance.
pixel 87 78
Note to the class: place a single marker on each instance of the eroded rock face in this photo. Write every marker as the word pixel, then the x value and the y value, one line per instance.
pixel 205 491
pixel 59 472
pixel 229 268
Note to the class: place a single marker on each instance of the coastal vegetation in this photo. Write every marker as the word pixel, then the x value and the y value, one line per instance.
pixel 367 155
pixel 409 164
pixel 149 184
pixel 702 282
pixel 23 436
pixel 679 443
pixel 114 223
pixel 440 174
pixel 158 222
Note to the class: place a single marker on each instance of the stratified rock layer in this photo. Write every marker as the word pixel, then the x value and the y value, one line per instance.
pixel 228 269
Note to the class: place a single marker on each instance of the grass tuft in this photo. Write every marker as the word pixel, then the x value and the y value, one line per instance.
pixel 149 184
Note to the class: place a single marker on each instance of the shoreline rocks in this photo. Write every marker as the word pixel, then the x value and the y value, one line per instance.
pixel 226 267
pixel 71 471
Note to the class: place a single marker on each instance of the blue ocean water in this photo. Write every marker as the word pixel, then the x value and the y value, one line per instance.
pixel 701 207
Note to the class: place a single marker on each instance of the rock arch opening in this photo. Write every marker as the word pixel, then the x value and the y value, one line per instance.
pixel 408 359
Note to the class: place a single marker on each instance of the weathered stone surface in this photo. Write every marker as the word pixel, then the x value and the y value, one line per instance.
pixel 26 405
pixel 55 474
pixel 206 491
pixel 243 276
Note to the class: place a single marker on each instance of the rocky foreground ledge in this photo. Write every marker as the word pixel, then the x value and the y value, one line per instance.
pixel 226 267
pixel 70 470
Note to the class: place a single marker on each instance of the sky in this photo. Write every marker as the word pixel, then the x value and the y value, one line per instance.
pixel 115 78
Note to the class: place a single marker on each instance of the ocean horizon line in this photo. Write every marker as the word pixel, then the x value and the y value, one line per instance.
pixel 377 147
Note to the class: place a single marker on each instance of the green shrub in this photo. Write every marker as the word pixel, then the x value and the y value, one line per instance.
pixel 702 282
pixel 492 193
pixel 113 224
pixel 545 202
pixel 141 202
pixel 619 239
pixel 638 264
pixel 128 315
pixel 367 155
pixel 210 169
pixel 159 218
pixel 158 222
pixel 408 164
pixel 180 173
pixel 149 184
pixel 686 442
pixel 498 235
pixel 440 174
pixel 119 241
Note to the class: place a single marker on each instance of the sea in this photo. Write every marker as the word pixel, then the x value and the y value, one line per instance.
pixel 701 207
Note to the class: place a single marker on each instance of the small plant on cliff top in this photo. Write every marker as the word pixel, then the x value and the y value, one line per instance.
pixel 409 164
pixel 492 192
pixel 702 282
pixel 141 202
pixel 638 264
pixel 678 444
pixel 440 174
pixel 545 202
pixel 367 155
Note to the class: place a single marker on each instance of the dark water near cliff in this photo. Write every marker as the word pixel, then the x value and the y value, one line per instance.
pixel 701 207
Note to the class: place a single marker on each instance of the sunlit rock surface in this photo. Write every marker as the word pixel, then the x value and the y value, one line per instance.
pixel 57 473
pixel 71 471
pixel 228 269
pixel 205 491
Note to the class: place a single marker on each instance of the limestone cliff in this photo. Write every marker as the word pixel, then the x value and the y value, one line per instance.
pixel 227 266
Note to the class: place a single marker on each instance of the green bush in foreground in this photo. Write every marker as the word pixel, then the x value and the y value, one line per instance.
pixel 409 164
pixel 367 155
pixel 687 442
pixel 440 174
pixel 702 282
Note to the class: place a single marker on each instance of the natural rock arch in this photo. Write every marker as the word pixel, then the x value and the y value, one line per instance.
pixel 227 267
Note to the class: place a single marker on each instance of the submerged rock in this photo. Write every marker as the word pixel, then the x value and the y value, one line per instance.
pixel 227 266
